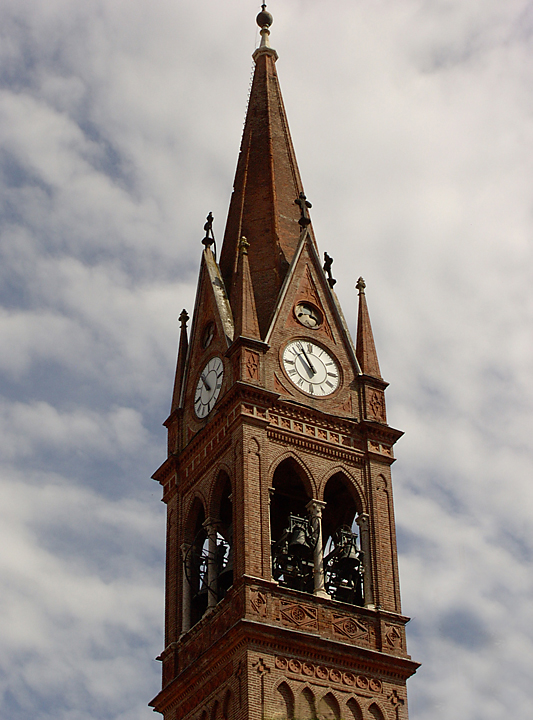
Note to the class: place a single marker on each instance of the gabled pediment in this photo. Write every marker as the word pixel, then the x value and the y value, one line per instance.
pixel 308 311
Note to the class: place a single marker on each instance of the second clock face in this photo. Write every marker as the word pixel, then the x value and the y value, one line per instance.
pixel 208 387
pixel 311 368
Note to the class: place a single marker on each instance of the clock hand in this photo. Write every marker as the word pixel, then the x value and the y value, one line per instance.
pixel 307 359
pixel 207 385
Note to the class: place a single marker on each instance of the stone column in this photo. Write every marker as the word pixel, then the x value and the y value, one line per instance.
pixel 315 507
pixel 271 492
pixel 212 570
pixel 186 592
pixel 363 521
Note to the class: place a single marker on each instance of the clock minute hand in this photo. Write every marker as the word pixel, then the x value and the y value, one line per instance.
pixel 207 385
pixel 307 360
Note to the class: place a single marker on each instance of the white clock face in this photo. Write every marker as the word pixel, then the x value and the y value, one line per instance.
pixel 311 368
pixel 208 387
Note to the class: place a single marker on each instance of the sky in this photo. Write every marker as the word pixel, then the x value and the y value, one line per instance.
pixel 120 124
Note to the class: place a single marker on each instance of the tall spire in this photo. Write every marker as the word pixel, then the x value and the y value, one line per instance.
pixel 365 348
pixel 242 297
pixel 267 183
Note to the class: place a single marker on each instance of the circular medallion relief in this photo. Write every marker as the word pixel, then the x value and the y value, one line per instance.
pixel 308 315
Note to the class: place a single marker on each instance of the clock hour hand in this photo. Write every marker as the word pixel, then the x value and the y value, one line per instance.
pixel 207 385
pixel 301 347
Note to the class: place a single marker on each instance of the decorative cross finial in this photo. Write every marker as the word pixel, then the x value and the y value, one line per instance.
pixel 304 204
pixel 183 318
pixel 244 245
pixel 361 285
pixel 328 262
pixel 209 238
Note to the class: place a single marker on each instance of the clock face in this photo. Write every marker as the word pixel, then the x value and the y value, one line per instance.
pixel 311 368
pixel 208 387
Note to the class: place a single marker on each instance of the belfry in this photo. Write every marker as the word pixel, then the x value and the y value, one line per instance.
pixel 282 589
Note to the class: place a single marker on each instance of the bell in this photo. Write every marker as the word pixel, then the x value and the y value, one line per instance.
pixel 298 544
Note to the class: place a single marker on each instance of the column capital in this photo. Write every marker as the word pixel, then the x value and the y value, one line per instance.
pixel 315 507
pixel 363 520
pixel 211 523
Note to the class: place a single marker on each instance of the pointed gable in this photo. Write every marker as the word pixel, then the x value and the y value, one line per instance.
pixel 212 328
pixel 267 183
pixel 306 290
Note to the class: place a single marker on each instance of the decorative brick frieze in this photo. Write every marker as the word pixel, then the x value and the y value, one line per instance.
pixel 327 675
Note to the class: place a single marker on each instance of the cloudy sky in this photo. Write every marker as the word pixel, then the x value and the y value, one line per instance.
pixel 120 123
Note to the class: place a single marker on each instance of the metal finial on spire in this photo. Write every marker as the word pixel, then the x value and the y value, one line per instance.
pixel 183 318
pixel 361 285
pixel 264 20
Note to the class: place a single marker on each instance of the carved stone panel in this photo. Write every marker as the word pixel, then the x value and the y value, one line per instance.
pixel 351 628
pixel 298 615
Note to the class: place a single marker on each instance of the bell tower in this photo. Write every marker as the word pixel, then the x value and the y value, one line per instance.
pixel 282 589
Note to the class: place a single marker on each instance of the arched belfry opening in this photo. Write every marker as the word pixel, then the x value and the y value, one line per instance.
pixel 344 557
pixel 292 532
pixel 208 553
pixel 195 588
pixel 222 522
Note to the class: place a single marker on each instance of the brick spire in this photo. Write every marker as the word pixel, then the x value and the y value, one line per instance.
pixel 242 297
pixel 266 186
pixel 182 357
pixel 365 348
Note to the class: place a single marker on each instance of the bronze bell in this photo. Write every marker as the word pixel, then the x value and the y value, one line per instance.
pixel 298 544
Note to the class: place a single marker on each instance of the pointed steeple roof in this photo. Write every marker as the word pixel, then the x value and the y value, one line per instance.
pixel 365 348
pixel 267 183
pixel 242 297
pixel 182 358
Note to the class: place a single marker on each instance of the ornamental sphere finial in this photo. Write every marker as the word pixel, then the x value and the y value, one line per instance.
pixel 264 19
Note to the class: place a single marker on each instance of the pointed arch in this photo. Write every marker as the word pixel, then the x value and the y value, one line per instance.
pixel 283 703
pixel 355 486
pixel 343 503
pixel 197 507
pixel 355 709
pixel 328 708
pixel 303 470
pixel 375 712
pixel 221 514
pixel 343 556
pixel 306 705
pixel 290 528
pixel 227 705
pixel 195 536
pixel 214 710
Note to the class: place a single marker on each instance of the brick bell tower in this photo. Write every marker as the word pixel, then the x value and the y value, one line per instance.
pixel 282 591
